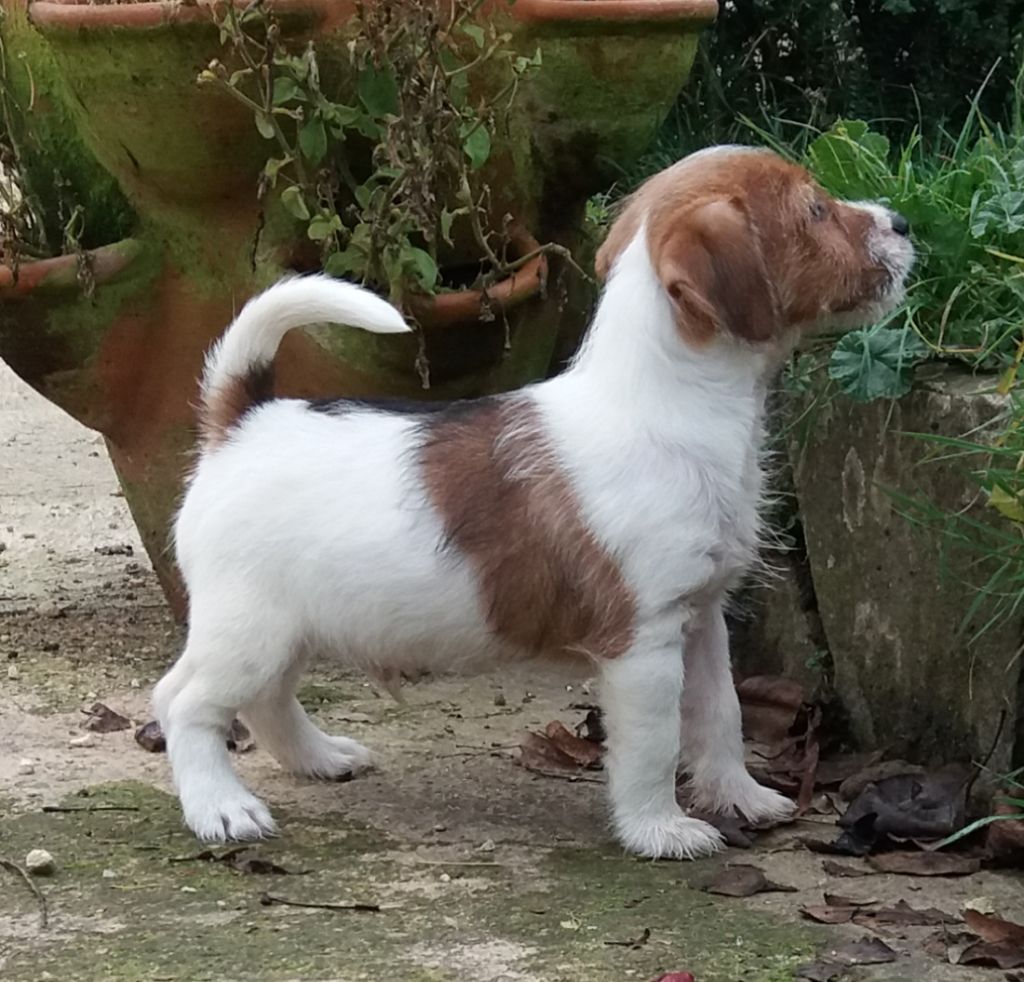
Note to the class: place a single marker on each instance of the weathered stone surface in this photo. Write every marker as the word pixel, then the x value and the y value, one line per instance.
pixel 892 602
pixel 774 628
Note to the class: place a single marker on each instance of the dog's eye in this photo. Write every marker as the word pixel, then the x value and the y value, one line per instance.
pixel 818 210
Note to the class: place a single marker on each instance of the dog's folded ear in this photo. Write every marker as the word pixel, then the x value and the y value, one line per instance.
pixel 710 261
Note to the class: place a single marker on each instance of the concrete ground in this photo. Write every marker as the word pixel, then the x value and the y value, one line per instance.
pixel 482 871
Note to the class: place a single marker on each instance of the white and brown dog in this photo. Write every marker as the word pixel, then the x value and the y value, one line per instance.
pixel 604 513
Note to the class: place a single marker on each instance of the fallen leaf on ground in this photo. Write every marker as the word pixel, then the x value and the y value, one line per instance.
pixel 837 900
pixel 636 943
pixel 857 840
pixel 103 719
pixel 828 914
pixel 867 951
pixel 999 955
pixel 242 859
pixel 994 929
pixel 585 753
pixel 537 752
pixel 770 705
pixel 925 863
pixel 734 830
pixel 841 869
pixel 873 773
pixel 150 737
pixel 592 727
pixel 675 977
pixel 743 881
pixel 903 915
pixel 834 770
pixel 1005 839
pixel 820 971
pixel 911 806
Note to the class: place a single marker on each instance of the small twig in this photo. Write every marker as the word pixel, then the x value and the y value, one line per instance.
pixel 44 916
pixel 635 943
pixel 984 763
pixel 567 776
pixel 268 900
pixel 49 809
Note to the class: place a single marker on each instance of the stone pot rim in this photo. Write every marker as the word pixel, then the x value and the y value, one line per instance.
pixel 85 14
pixel 461 306
pixel 60 273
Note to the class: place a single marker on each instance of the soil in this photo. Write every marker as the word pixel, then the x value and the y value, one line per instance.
pixel 483 871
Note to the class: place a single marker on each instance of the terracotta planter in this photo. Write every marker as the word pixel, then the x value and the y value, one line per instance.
pixel 120 79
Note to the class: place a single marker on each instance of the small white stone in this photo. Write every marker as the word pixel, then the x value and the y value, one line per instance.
pixel 12 672
pixel 109 874
pixel 445 878
pixel 40 863
pixel 135 684
pixel 86 740
pixel 189 890
pixel 26 766
pixel 487 846
pixel 89 696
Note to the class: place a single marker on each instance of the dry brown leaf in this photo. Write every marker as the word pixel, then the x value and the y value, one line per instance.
pixel 991 953
pixel 829 914
pixel 585 753
pixel 994 929
pixel 841 869
pixel 925 863
pixel 1005 839
pixel 743 881
pixel 852 786
pixel 103 719
pixel 770 706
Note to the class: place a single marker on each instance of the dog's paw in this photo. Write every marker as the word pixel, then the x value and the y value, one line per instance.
pixel 672 837
pixel 231 816
pixel 334 758
pixel 740 793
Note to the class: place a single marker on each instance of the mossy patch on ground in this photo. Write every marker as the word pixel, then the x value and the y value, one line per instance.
pixel 130 901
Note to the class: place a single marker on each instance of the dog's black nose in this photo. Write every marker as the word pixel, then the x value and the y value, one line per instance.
pixel 899 224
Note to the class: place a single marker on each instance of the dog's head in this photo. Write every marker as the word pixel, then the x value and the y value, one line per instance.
pixel 747 243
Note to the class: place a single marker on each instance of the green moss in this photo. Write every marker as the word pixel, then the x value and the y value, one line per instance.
pixel 556 917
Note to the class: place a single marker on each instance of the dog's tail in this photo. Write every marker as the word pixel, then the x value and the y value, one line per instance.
pixel 239 371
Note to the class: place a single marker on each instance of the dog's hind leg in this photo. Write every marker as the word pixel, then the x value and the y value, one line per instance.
pixel 712 729
pixel 281 726
pixel 228 662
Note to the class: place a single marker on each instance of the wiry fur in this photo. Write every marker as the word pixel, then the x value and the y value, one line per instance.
pixel 380 537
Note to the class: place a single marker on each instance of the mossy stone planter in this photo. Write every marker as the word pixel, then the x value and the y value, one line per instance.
pixel 892 603
pixel 120 79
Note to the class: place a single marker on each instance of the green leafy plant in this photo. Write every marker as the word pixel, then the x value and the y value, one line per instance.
pixel 385 183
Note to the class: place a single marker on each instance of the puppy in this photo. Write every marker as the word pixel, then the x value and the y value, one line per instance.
pixel 605 513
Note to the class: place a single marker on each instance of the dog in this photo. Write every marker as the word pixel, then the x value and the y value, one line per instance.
pixel 604 514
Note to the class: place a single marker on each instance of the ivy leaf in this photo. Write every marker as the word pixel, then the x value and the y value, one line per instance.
pixel 265 126
pixel 313 140
pixel 294 203
pixel 285 90
pixel 477 144
pixel 475 32
pixel 877 363
pixel 423 265
pixel 378 91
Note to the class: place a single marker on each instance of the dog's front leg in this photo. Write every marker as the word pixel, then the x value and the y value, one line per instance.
pixel 712 734
pixel 642 690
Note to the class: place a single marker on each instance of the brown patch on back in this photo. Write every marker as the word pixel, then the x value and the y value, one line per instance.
pixel 222 409
pixel 547 584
